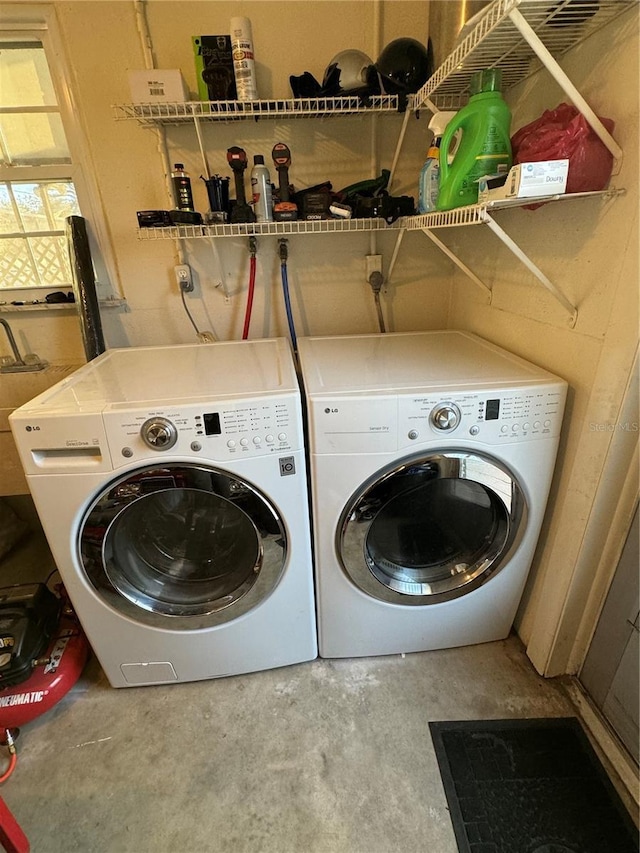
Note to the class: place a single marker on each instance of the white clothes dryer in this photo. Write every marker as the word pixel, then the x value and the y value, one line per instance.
pixel 171 485
pixel 431 458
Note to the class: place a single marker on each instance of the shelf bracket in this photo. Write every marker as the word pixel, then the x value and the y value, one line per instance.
pixel 394 256
pixel 203 153
pixel 567 86
pixel 223 279
pixel 396 156
pixel 456 260
pixel 517 251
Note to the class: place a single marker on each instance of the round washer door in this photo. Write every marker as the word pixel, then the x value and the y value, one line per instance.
pixel 182 546
pixel 432 528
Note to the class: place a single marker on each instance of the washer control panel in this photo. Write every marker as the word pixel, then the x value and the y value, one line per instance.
pixel 495 417
pixel 215 432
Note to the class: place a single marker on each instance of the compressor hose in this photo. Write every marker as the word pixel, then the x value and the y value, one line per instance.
pixel 13 756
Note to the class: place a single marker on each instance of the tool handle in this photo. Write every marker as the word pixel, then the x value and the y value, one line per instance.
pixel 282 160
pixel 237 159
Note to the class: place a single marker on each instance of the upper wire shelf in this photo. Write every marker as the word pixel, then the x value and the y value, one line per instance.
pixel 175 113
pixel 495 42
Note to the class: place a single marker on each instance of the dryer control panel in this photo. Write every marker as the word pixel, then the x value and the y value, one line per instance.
pixel 215 432
pixel 493 417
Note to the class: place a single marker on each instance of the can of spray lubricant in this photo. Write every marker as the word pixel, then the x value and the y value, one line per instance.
pixel 244 67
pixel 261 190
pixel 182 188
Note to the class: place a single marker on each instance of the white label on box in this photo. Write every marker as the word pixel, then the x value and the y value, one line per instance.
pixel 526 180
pixel 549 177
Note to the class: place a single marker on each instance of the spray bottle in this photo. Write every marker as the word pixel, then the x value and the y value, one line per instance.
pixel 429 182
pixel 244 66
pixel 261 190
pixel 182 188
pixel 485 147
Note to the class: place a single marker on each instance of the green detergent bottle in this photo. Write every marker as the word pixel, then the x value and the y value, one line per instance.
pixel 485 146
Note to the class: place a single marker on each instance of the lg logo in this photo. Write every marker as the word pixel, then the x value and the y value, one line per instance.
pixel 330 411
pixel 32 428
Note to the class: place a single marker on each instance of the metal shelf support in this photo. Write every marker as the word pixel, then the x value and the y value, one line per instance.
pixel 394 256
pixel 542 278
pixel 456 260
pixel 567 86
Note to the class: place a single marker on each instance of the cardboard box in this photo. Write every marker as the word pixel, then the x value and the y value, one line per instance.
pixel 526 180
pixel 214 68
pixel 158 87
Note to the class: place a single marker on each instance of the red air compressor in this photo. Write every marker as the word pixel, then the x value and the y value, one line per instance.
pixel 42 653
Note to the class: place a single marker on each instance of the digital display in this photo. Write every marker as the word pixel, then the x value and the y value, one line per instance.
pixel 212 423
pixel 492 411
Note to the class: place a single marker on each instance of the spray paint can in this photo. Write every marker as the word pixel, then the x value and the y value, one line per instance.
pixel 244 67
pixel 261 190
pixel 182 188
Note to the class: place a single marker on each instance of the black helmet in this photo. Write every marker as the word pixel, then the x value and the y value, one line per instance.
pixel 404 66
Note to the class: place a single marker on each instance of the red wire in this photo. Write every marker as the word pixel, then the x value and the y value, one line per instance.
pixel 12 766
pixel 252 284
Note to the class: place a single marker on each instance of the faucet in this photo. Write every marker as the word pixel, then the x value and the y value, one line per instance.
pixel 30 363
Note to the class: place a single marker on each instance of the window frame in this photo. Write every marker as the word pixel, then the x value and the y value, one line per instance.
pixel 39 24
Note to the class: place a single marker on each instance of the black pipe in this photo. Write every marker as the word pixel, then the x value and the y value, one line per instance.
pixel 84 287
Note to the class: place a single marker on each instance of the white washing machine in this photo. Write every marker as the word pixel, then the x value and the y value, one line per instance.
pixel 171 484
pixel 431 458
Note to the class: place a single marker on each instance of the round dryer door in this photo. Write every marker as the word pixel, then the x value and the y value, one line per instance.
pixel 431 529
pixel 182 546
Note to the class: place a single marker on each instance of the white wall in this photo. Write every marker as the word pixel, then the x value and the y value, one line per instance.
pixel 589 248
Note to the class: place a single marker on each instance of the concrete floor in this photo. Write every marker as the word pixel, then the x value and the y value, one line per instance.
pixel 324 757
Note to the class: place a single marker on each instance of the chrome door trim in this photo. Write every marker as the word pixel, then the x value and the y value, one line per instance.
pixel 362 509
pixel 95 557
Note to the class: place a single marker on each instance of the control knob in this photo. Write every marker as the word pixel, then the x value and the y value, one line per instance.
pixel 159 433
pixel 445 417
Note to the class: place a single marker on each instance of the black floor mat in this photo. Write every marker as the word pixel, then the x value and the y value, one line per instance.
pixel 529 786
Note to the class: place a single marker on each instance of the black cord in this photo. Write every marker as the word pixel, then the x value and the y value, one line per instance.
pixel 50 575
pixel 188 312
pixel 376 296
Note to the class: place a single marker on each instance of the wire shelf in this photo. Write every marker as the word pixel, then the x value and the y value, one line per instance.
pixel 314 226
pixel 36 305
pixel 475 214
pixel 496 42
pixel 175 113
pixel 478 214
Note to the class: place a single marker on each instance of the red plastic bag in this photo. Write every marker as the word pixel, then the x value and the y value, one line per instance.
pixel 561 134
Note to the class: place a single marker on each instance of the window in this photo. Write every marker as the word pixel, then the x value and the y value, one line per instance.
pixel 36 191
pixel 43 160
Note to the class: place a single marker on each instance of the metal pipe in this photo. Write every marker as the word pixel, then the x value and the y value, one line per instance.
pixel 12 342
pixel 146 43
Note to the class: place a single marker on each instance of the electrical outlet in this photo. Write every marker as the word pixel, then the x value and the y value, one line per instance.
pixel 183 277
pixel 373 263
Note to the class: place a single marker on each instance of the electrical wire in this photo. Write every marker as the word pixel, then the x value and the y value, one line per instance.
pixel 376 296
pixel 184 302
pixel 50 575
pixel 285 291
pixel 376 281
pixel 250 291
